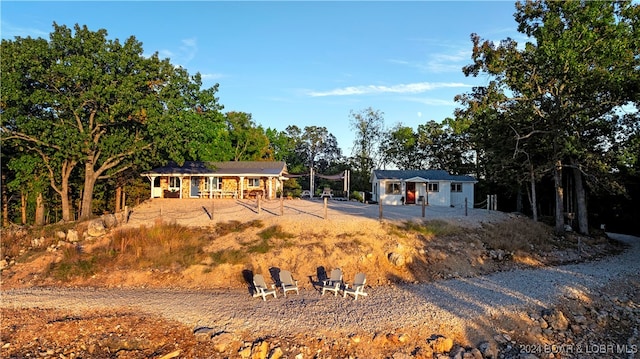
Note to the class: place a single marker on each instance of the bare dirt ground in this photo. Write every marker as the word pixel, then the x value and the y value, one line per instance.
pixel 347 235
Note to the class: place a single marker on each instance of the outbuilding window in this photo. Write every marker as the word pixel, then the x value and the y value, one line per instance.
pixel 433 187
pixel 392 188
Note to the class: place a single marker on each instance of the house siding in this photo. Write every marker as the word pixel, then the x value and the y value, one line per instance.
pixel 443 197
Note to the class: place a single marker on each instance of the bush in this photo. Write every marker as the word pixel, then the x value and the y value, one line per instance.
pixel 357 196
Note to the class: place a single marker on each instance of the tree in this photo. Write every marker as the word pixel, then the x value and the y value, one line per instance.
pixel 572 77
pixel 248 141
pixel 399 148
pixel 83 101
pixel 368 125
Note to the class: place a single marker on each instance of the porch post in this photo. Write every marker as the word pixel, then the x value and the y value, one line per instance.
pixel 270 186
pixel 180 178
pixel 210 187
pixel 152 179
pixel 241 187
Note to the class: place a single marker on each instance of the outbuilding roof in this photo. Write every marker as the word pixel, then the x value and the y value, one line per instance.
pixel 416 175
pixel 228 168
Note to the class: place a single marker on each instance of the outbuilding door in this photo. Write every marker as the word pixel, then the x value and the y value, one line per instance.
pixel 195 186
pixel 411 193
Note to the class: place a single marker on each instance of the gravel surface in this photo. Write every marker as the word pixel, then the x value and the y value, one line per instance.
pixel 204 212
pixel 458 303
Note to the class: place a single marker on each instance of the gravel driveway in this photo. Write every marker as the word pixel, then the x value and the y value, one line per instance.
pixel 458 303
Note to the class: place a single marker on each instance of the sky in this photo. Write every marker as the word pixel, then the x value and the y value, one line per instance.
pixel 300 63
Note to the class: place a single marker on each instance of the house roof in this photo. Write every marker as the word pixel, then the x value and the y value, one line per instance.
pixel 228 168
pixel 418 175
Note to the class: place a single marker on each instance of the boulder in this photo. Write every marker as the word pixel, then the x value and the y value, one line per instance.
pixel 110 220
pixel 72 236
pixel 557 320
pixel 396 259
pixel 440 344
pixel 96 228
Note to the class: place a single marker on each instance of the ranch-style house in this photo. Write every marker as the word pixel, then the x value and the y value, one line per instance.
pixel 435 187
pixel 231 179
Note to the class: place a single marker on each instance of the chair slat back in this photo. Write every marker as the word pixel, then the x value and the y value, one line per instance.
pixel 336 275
pixel 259 282
pixel 286 278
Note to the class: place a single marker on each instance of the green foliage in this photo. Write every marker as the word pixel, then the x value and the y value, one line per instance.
pixel 430 228
pixel 113 109
pixel 224 228
pixel 357 195
pixel 368 125
pixel 553 103
pixel 274 232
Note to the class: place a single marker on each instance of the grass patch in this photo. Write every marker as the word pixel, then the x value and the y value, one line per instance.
pixel 76 264
pixel 232 256
pixel 274 232
pixel 224 228
pixel 426 228
pixel 517 235
pixel 164 246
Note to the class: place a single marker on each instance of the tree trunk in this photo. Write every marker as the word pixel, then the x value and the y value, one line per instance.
pixel 118 199
pixel 67 168
pixel 582 214
pixel 90 177
pixel 39 220
pixel 5 201
pixel 519 199
pixel 559 194
pixel 23 207
pixel 534 195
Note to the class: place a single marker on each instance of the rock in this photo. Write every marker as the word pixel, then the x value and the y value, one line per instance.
pixel 557 320
pixel 488 349
pixel 355 339
pixel 203 334
pixel 260 350
pixel 245 352
pixel 276 353
pixel 60 235
pixel 497 254
pixel 380 339
pixel 440 344
pixel 476 353
pixel 110 220
pixel 96 228
pixel 3 264
pixel 423 353
pixel 396 259
pixel 221 342
pixel 543 323
pixel 72 236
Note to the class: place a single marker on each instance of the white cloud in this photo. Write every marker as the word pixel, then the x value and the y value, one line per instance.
pixel 9 32
pixel 185 52
pixel 417 87
pixel 419 114
pixel 211 76
pixel 431 101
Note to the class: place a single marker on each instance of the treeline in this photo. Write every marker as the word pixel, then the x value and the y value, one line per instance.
pixel 555 131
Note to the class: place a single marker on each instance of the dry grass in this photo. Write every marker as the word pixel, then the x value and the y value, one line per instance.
pixel 169 253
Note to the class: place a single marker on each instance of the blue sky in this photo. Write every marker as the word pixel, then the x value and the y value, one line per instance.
pixel 300 63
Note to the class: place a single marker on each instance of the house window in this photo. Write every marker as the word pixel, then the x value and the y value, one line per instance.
pixel 217 183
pixel 433 187
pixel 456 187
pixel 174 183
pixel 392 188
pixel 254 182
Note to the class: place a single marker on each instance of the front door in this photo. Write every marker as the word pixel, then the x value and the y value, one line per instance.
pixel 195 186
pixel 411 193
